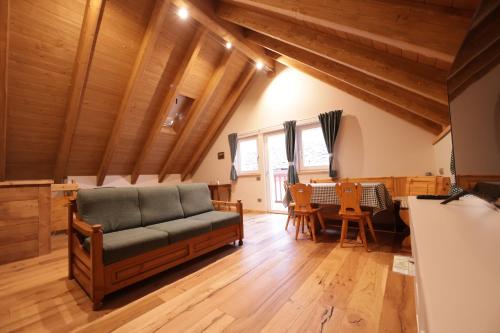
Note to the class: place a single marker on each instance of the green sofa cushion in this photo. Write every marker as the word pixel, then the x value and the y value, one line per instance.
pixel 195 199
pixel 219 219
pixel 124 244
pixel 160 203
pixel 113 208
pixel 182 229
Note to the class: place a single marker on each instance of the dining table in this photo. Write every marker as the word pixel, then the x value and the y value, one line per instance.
pixel 374 196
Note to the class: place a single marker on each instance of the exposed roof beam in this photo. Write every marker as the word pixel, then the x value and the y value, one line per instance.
pixel 160 12
pixel 92 18
pixel 181 75
pixel 419 78
pixel 4 59
pixel 393 109
pixel 408 100
pixel 197 110
pixel 431 30
pixel 220 119
pixel 203 12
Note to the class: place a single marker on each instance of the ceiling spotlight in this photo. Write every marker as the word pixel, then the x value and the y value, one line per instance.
pixel 229 45
pixel 259 65
pixel 183 13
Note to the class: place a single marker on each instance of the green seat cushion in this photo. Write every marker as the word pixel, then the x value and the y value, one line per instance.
pixel 124 244
pixel 195 199
pixel 182 229
pixel 113 208
pixel 160 203
pixel 218 219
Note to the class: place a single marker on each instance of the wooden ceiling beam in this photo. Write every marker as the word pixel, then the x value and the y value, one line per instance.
pixel 433 31
pixel 408 100
pixel 203 12
pixel 160 12
pixel 422 79
pixel 92 18
pixel 374 100
pixel 197 111
pixel 180 77
pixel 225 112
pixel 4 60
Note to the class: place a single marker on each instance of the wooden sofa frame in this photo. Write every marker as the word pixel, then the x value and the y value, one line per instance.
pixel 99 280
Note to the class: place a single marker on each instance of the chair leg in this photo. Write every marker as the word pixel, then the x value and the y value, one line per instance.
pixel 303 222
pixel 363 234
pixel 312 221
pixel 370 226
pixel 287 221
pixel 297 227
pixel 321 221
pixel 343 233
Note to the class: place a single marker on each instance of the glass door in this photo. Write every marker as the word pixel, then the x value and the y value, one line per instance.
pixel 276 171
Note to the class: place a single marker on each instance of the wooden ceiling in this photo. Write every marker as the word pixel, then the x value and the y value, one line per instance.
pixel 87 84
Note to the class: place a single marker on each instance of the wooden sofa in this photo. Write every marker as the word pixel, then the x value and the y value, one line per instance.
pixel 119 236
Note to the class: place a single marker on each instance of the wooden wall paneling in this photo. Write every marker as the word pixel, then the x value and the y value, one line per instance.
pixel 374 100
pixel 415 103
pixel 183 70
pixel 88 37
pixel 43 43
pixel 197 111
pixel 44 223
pixel 122 30
pixel 4 63
pixel 225 112
pixel 143 57
pixel 203 12
pixel 419 28
pixel 419 78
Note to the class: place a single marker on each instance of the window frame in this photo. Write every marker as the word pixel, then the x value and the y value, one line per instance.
pixel 238 156
pixel 301 167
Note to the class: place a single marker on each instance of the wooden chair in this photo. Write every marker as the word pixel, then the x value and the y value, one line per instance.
pixel 304 212
pixel 291 207
pixel 350 210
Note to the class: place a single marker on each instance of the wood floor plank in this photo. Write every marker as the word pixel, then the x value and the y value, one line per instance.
pixel 272 283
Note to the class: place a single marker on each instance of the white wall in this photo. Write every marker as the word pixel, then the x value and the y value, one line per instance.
pixel 371 142
pixel 442 156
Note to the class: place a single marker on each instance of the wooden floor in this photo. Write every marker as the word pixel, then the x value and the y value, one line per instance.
pixel 271 284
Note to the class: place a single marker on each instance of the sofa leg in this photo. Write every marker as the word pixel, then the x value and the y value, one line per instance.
pixel 240 242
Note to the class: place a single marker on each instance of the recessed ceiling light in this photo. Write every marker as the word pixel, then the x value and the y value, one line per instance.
pixel 229 45
pixel 183 13
pixel 259 65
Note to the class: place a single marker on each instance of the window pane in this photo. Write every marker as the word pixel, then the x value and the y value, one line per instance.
pixel 314 153
pixel 248 155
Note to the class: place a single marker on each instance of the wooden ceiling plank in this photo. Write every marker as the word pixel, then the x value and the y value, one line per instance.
pixel 158 15
pixel 423 79
pixel 220 119
pixel 406 99
pixel 203 12
pixel 197 111
pixel 92 18
pixel 180 77
pixel 374 100
pixel 4 60
pixel 434 31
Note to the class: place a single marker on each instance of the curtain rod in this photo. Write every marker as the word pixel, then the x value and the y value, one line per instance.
pixel 267 129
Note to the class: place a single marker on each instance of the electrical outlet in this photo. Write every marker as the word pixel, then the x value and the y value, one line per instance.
pixel 259 200
pixel 257 178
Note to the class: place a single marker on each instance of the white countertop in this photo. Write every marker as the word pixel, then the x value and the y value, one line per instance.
pixel 457 252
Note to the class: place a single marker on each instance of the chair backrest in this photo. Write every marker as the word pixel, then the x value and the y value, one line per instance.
pixel 301 195
pixel 322 180
pixel 350 198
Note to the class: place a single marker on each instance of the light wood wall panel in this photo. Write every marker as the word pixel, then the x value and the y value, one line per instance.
pixel 160 72
pixel 123 26
pixel 43 41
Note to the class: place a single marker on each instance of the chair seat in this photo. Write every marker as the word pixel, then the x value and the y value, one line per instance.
pixel 218 219
pixel 354 215
pixel 306 211
pixel 182 229
pixel 127 243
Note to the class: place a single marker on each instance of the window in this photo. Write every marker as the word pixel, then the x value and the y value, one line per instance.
pixel 312 148
pixel 247 156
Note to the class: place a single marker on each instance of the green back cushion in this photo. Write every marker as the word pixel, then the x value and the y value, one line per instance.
pixel 195 199
pixel 113 208
pixel 160 204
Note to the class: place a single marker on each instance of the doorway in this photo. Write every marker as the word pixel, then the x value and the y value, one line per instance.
pixel 276 171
